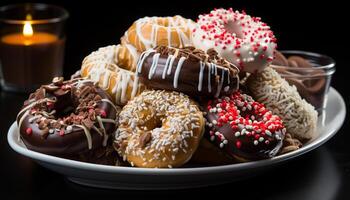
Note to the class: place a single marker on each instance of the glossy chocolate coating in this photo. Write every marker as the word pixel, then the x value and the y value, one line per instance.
pixel 248 150
pixel 246 145
pixel 72 143
pixel 220 81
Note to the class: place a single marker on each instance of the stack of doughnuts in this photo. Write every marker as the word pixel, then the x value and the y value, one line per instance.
pixel 171 93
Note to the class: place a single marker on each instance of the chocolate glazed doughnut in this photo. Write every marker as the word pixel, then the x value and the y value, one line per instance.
pixel 243 128
pixel 67 118
pixel 187 70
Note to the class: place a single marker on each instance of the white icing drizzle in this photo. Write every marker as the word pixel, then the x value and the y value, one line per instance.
pixel 110 103
pixel 97 130
pixel 200 78
pixel 171 64
pixel 88 135
pixel 102 68
pixel 142 59
pixel 181 26
pixel 108 120
pixel 105 136
pixel 218 90
pixel 209 78
pixel 135 86
pixel 178 70
pixel 166 66
pixel 154 65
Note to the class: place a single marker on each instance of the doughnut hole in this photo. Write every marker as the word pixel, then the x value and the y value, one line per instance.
pixel 234 28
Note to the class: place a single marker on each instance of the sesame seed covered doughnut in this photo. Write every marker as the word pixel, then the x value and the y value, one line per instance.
pixel 243 40
pixel 159 129
pixel 244 128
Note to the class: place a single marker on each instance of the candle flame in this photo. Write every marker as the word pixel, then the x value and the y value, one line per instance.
pixel 27 28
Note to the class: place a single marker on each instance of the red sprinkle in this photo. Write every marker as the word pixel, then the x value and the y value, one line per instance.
pixel 103 113
pixel 29 131
pixel 61 133
pixel 238 144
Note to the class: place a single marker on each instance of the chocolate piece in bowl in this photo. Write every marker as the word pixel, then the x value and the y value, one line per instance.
pixel 309 72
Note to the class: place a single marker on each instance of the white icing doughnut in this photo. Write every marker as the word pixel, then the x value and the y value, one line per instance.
pixel 241 39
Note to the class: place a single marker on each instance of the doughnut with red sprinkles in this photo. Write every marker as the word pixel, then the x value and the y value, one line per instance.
pixel 244 128
pixel 241 39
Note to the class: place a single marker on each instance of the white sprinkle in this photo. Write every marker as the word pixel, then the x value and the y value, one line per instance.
pixel 69 129
pixel 256 142
pixel 268 133
pixel 237 134
pixel 221 145
pixel 261 139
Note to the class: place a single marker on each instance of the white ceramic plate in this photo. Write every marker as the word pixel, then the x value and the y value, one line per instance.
pixel 141 178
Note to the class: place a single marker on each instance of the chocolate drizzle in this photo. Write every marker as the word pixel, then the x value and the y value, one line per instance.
pixel 187 70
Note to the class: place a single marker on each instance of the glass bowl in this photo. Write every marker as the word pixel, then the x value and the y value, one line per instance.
pixel 311 80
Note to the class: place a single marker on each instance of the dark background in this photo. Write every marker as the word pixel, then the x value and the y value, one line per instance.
pixel 317 26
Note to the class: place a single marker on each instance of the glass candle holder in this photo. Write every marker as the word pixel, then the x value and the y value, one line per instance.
pixel 32 41
pixel 312 78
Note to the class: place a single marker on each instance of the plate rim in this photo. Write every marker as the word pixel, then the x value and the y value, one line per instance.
pixel 175 171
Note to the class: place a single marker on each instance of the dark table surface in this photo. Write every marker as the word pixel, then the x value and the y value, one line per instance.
pixel 321 174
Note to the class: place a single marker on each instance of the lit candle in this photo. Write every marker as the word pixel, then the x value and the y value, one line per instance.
pixel 27 37
pixel 32 56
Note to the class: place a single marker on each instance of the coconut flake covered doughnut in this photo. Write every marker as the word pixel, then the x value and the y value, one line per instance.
pixel 243 40
pixel 299 117
pixel 159 129
pixel 149 32
pixel 244 128
pixel 110 67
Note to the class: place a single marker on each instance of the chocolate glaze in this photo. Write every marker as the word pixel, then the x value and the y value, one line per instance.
pixel 247 150
pixel 72 143
pixel 223 78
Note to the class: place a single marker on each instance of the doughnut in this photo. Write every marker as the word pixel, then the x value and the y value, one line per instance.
pixel 243 128
pixel 110 68
pixel 67 118
pixel 159 129
pixel 299 117
pixel 245 41
pixel 149 32
pixel 187 70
